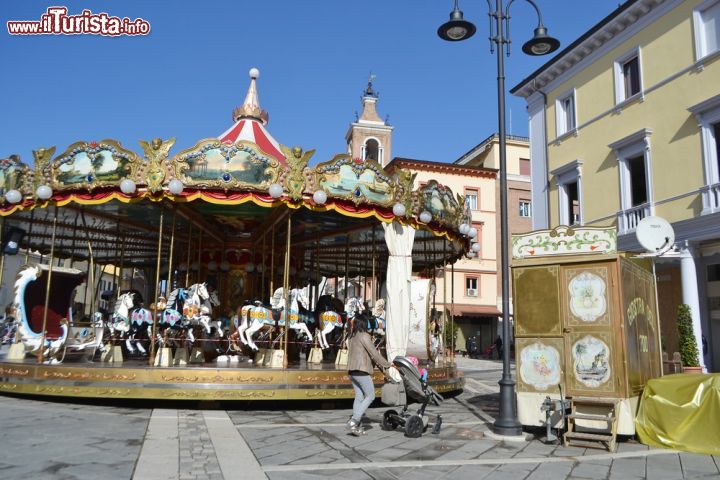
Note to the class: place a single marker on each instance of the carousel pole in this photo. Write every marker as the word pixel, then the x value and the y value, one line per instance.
pixel 74 235
pixel 29 236
pixel 47 287
pixel 262 262
pixel 189 259
pixel 452 312
pixel 317 271
pixel 122 263
pixel 199 257
pixel 157 285
pixel 286 290
pixel 168 287
pixel 374 277
pixel 347 266
pixel 445 309
pixel 2 254
pixel 272 261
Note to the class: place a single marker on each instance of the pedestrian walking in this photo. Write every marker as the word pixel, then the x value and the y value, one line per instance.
pixel 499 346
pixel 361 356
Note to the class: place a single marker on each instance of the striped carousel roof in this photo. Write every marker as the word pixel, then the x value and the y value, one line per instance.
pixel 250 121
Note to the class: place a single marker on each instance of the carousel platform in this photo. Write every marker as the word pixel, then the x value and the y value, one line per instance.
pixel 134 379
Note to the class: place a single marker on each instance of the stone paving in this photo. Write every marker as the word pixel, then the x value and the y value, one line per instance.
pixel 54 440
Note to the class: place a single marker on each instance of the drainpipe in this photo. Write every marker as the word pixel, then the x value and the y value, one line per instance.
pixel 547 153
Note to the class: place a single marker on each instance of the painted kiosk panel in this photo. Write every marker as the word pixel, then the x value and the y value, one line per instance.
pixel 585 323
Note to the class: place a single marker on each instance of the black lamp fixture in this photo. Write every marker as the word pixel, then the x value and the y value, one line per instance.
pixel 541 44
pixel 456 29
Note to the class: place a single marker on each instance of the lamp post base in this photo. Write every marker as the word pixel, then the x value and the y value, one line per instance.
pixel 507 423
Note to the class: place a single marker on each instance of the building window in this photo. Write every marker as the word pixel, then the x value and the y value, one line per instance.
pixel 638 180
pixel 634 165
pixel 471 286
pixel 565 113
pixel 628 76
pixel 707 114
pixel 525 210
pixel 706 22
pixel 471 197
pixel 525 166
pixel 569 182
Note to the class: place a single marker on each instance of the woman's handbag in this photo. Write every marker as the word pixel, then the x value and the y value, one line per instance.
pixel 316 355
pixel 393 394
pixel 341 359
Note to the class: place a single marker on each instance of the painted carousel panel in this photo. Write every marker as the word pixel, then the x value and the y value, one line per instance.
pixel 540 364
pixel 564 240
pixel 91 164
pixel 357 181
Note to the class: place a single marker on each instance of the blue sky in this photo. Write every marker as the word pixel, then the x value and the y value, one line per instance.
pixel 314 56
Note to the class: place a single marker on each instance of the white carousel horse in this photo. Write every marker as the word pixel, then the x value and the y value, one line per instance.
pixel 32 341
pixel 128 319
pixel 242 321
pixel 261 316
pixel 329 318
pixel 379 313
pixel 197 309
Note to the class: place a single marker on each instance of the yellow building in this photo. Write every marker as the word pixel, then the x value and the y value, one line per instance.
pixel 624 124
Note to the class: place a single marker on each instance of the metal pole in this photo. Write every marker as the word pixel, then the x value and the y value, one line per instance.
pixel 199 257
pixel 272 261
pixel 444 301
pixel 347 266
pixel 189 258
pixel 507 422
pixel 122 265
pixel 2 254
pixel 29 236
pixel 286 290
pixel 452 313
pixel 262 279
pixel 157 286
pixel 47 287
pixel 374 277
pixel 168 287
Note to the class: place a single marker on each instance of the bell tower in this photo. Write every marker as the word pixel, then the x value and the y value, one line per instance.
pixel 369 137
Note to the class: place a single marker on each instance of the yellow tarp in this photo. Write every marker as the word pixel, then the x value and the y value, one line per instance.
pixel 682 412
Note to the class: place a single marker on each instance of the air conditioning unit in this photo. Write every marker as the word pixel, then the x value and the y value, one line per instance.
pixel 471 292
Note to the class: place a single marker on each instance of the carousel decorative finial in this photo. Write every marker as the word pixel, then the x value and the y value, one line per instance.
pixel 251 107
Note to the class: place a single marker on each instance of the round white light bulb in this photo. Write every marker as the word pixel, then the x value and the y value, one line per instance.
pixel 44 192
pixel 425 216
pixel 127 186
pixel 472 233
pixel 175 186
pixel 276 190
pixel 254 73
pixel 260 268
pixel 464 227
pixel 13 196
pixel 475 247
pixel 320 197
pixel 471 254
pixel 399 210
pixel 249 267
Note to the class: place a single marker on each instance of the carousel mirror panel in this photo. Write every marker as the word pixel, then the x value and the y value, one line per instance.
pixel 538 314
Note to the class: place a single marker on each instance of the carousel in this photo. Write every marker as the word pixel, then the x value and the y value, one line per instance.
pixel 227 271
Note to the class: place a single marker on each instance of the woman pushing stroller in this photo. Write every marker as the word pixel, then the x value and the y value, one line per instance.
pixel 361 356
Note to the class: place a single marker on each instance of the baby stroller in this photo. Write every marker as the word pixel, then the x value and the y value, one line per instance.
pixel 416 387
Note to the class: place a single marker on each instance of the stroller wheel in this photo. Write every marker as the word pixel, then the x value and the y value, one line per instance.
pixel 389 421
pixel 414 426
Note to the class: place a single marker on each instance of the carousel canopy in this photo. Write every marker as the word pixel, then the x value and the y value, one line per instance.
pixel 225 200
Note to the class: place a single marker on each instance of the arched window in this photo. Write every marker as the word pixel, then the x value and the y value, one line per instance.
pixel 372 150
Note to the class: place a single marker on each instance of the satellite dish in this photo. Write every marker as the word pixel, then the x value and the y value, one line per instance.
pixel 655 235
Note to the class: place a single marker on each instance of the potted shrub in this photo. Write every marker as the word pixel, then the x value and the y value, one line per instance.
pixel 687 344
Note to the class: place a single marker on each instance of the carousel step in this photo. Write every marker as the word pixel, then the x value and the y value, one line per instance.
pixel 580 443
pixel 587 416
pixel 589 436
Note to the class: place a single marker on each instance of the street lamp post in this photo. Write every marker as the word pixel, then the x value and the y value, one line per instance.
pixel 457 29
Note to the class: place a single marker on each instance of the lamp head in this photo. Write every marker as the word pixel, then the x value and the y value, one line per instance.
pixel 541 43
pixel 457 28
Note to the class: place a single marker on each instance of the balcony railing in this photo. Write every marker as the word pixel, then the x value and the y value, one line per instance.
pixel 711 198
pixel 628 219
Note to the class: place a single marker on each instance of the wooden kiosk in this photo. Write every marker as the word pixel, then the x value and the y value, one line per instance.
pixel 586 327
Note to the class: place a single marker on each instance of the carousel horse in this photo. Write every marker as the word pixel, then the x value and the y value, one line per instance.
pixel 330 317
pixel 261 316
pixel 378 313
pixel 241 322
pixel 33 341
pixel 198 306
pixel 129 318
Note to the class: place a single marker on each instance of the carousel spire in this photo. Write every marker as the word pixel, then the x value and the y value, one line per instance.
pixel 251 107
